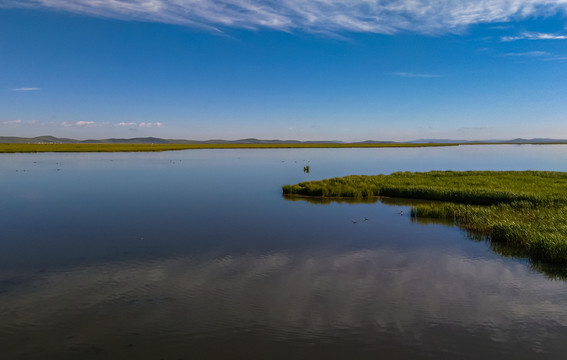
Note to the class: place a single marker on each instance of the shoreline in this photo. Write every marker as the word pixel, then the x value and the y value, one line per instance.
pixel 81 147
pixel 526 210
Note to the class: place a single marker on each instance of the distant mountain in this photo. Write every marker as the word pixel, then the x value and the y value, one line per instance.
pixel 36 140
pixel 46 139
pixel 492 141
pixel 375 142
pixel 437 141
pixel 537 140
pixel 146 140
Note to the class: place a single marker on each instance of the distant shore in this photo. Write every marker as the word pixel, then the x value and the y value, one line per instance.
pixel 82 147
pixel 33 148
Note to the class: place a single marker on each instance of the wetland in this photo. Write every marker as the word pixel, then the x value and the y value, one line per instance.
pixel 196 254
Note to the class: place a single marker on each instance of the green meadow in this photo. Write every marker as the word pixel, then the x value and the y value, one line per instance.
pixel 524 210
pixel 17 147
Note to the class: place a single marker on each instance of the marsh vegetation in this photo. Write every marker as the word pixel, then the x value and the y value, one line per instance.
pixel 523 209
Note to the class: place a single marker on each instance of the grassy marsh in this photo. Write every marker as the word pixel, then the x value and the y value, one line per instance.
pixel 526 210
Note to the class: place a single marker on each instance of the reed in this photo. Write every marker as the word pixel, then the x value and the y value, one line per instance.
pixel 526 210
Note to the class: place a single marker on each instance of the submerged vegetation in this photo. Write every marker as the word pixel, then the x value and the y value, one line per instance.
pixel 526 210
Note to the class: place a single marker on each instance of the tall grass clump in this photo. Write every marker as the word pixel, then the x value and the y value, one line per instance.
pixel 526 210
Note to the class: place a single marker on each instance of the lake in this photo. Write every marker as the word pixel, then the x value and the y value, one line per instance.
pixel 197 255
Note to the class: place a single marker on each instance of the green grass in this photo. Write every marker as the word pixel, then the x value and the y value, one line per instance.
pixel 32 148
pixel 526 210
pixel 82 147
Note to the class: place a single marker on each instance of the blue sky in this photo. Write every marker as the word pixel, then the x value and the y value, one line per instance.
pixel 347 70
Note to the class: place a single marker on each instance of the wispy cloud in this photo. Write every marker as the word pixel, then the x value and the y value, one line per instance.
pixel 127 124
pixel 533 36
pixel 79 123
pixel 27 89
pixel 557 58
pixel 121 124
pixel 414 75
pixel 84 123
pixel 142 124
pixel 10 122
pixel 528 54
pixel 149 124
pixel 327 16
pixel 537 55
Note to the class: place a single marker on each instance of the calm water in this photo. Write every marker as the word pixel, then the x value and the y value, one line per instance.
pixel 196 255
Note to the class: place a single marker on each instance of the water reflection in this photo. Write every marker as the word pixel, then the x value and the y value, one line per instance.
pixel 290 296
pixel 552 271
pixel 196 255
pixel 345 200
pixel 327 201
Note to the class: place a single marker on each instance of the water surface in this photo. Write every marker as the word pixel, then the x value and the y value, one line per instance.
pixel 196 254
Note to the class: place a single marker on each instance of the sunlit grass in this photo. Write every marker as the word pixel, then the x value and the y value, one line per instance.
pixel 523 209
pixel 146 147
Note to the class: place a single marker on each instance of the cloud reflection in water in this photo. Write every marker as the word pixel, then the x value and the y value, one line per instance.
pixel 310 295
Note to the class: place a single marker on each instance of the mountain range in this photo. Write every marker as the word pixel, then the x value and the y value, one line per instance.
pixel 46 139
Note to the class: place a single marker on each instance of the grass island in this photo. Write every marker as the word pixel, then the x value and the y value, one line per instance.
pixel 526 210
pixel 36 145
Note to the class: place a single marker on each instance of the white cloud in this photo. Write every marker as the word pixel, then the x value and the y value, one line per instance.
pixel 149 124
pixel 77 123
pixel 537 55
pixel 142 124
pixel 529 54
pixel 414 75
pixel 27 89
pixel 127 124
pixel 374 16
pixel 534 36
pixel 84 123
pixel 10 122
pixel 557 58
